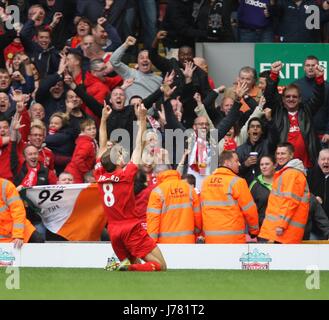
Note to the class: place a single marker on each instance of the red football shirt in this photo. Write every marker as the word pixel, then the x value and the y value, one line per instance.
pixel 296 139
pixel 117 191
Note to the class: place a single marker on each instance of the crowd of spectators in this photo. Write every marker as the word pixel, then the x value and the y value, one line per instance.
pixel 65 60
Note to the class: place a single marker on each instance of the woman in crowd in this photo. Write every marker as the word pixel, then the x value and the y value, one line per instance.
pixel 261 187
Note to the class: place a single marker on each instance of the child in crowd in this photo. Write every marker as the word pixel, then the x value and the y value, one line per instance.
pixel 60 140
pixel 65 178
pixel 84 156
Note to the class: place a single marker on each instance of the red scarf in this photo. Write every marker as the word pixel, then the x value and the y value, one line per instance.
pixel 52 131
pixel 201 153
pixel 151 179
pixel 75 41
pixel 31 177
pixel 154 123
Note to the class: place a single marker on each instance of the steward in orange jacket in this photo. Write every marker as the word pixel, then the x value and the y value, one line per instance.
pixel 13 222
pixel 227 204
pixel 173 211
pixel 288 205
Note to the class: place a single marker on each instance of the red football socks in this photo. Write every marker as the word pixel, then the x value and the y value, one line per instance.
pixel 148 266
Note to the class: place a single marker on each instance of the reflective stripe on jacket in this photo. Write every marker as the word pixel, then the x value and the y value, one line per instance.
pixel 288 206
pixel 227 206
pixel 173 211
pixel 13 222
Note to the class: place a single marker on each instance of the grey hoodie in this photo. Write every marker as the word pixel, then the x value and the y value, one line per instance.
pixel 296 164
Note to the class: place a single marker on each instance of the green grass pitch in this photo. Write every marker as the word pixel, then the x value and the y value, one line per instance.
pixel 58 283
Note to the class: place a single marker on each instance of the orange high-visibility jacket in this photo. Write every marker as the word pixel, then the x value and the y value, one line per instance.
pixel 227 206
pixel 288 205
pixel 173 211
pixel 13 222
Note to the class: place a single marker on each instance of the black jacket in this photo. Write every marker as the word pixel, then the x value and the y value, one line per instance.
pixel 319 186
pixel 91 9
pixel 264 146
pixel 43 96
pixel 292 21
pixel 46 60
pixel 75 122
pixel 187 22
pixel 306 112
pixel 62 142
pixel 321 118
pixel 121 119
pixel 318 222
pixel 260 192
pixel 216 115
pixel 179 24
pixel 214 19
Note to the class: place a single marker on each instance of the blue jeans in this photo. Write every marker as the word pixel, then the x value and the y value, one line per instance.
pixel 258 35
pixel 129 23
pixel 148 17
pixel 314 236
pixel 41 229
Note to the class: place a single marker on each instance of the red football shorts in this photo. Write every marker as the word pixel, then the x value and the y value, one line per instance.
pixel 130 240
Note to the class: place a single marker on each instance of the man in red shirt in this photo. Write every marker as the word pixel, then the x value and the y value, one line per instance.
pixel 37 138
pixel 93 85
pixel 294 118
pixel 115 178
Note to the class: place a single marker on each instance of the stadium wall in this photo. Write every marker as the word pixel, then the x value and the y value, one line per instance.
pixel 198 256
pixel 226 59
